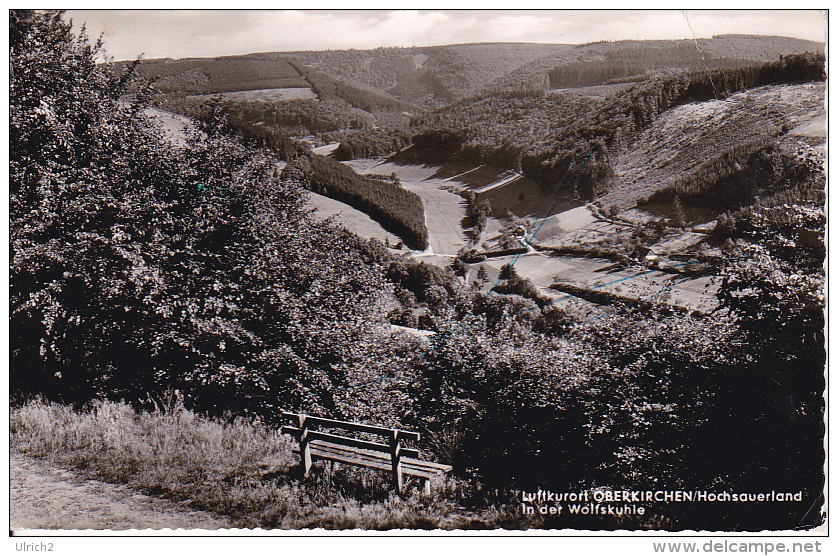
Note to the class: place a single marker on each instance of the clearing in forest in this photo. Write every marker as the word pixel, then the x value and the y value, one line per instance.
pixel 444 210
pixel 263 95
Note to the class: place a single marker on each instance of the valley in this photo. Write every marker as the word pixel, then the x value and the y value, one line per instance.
pixel 591 267
pixel 558 227
pixel 545 268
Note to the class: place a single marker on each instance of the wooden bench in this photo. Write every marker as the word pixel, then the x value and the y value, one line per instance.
pixel 393 456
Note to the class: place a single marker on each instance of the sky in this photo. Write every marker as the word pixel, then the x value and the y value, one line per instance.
pixel 205 33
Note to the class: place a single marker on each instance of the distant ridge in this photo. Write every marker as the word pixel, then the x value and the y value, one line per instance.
pixel 433 76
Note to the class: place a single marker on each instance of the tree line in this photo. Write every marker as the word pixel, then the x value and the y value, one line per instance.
pixel 367 143
pixel 624 63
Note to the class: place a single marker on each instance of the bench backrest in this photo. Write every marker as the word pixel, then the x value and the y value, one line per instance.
pixel 305 424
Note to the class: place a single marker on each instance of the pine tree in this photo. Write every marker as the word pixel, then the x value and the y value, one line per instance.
pixel 481 275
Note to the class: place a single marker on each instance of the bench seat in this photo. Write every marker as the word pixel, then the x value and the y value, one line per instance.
pixel 323 450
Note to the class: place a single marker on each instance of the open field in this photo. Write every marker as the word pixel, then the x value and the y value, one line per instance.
pixel 599 91
pixel 350 218
pixel 640 283
pixel 570 225
pixel 814 127
pixel 444 210
pixel 577 227
pixel 263 95
pixel 812 131
pixel 568 221
pixel 590 232
pixel 325 150
pixel 173 124
pixel 524 198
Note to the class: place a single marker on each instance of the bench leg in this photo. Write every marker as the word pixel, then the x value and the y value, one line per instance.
pixel 427 488
pixel 398 480
pixel 396 459
pixel 305 448
pixel 305 460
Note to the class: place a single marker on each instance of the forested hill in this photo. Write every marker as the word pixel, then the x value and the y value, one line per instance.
pixel 218 75
pixel 433 75
pixel 597 63
pixel 437 75
pixel 193 281
pixel 572 137
pixel 603 61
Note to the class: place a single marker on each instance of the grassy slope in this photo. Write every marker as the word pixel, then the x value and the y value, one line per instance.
pixel 242 469
pixel 684 137
pixel 263 95
pixel 350 218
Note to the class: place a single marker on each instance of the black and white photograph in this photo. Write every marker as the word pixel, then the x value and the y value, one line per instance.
pixel 418 272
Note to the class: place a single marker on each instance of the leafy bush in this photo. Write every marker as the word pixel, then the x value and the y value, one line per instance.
pixel 138 267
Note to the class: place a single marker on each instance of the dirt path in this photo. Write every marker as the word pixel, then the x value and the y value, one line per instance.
pixel 45 497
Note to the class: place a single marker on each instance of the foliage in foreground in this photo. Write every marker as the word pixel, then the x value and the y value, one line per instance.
pixel 138 267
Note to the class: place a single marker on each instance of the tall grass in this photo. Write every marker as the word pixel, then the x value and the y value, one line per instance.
pixel 241 469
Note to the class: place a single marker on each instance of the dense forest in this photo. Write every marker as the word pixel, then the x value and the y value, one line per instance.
pixel 364 143
pixel 139 268
pixel 298 116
